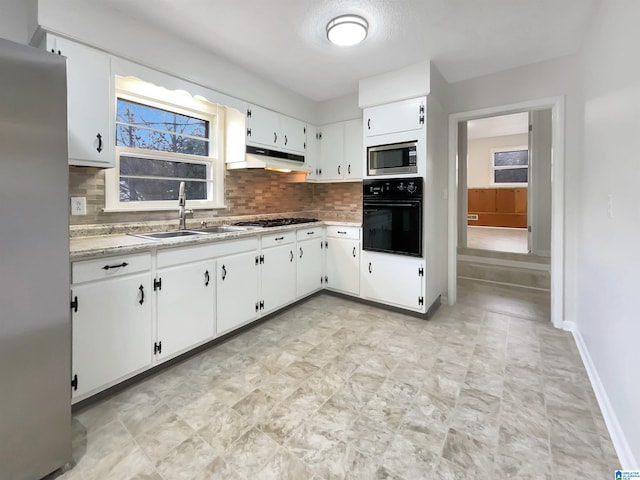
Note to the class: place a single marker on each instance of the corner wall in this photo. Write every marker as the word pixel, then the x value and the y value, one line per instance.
pixel 608 325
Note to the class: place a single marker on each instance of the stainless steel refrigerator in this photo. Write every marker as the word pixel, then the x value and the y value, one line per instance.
pixel 35 324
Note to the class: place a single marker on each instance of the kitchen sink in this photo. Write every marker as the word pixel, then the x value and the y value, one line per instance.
pixel 169 234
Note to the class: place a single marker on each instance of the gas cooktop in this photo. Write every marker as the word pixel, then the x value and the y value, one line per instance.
pixel 275 222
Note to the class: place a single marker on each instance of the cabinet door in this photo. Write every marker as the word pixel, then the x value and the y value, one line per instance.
pixel 185 307
pixel 353 150
pixel 342 265
pixel 309 266
pixel 262 126
pixel 332 151
pixel 312 155
pixel 393 280
pixel 293 134
pixel 278 276
pixel 395 117
pixel 88 105
pixel 236 291
pixel 111 331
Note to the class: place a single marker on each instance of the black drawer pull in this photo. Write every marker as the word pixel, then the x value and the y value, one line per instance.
pixel 279 238
pixel 206 278
pixel 107 267
pixel 224 272
pixel 311 233
pixel 141 288
pixel 341 232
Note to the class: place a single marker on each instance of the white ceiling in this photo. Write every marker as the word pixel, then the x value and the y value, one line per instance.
pixel 285 40
pixel 499 126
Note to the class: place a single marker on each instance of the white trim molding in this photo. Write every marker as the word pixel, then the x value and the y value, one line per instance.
pixel 620 443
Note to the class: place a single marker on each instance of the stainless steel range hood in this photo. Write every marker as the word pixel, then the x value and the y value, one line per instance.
pixel 259 157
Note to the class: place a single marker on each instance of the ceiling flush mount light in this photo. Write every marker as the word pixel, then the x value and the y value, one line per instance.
pixel 347 30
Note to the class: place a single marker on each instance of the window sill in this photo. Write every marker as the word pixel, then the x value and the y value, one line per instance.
pixel 161 208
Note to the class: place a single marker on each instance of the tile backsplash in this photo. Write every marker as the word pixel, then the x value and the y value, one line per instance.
pixel 247 192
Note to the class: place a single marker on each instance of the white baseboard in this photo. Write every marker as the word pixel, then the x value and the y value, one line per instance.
pixel 625 454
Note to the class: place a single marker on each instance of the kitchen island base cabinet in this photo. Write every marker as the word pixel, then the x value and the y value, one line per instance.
pixel 343 259
pixel 393 280
pixel 112 331
pixel 236 291
pixel 185 297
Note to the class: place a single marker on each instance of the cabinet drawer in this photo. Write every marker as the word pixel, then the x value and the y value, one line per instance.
pixel 335 231
pixel 109 267
pixel 307 233
pixel 278 238
pixel 176 256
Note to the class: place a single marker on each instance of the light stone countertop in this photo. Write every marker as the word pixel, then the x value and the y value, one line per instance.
pixel 85 248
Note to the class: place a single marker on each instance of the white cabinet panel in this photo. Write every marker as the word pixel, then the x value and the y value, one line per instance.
pixel 394 280
pixel 353 163
pixel 309 266
pixel 271 129
pixel 278 276
pixel 342 265
pixel 332 151
pixel 293 134
pixel 340 152
pixel 185 307
pixel 112 331
pixel 236 291
pixel 395 117
pixel 89 121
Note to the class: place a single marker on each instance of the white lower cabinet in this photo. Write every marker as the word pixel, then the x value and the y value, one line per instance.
pixel 278 271
pixel 185 297
pixel 343 259
pixel 236 290
pixel 394 280
pixel 111 321
pixel 310 260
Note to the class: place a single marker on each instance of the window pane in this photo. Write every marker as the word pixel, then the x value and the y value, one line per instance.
pixel 137 137
pixel 511 175
pixel 149 167
pixel 151 189
pixel 516 157
pixel 137 114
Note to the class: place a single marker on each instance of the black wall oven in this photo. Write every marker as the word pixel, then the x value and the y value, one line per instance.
pixel 392 216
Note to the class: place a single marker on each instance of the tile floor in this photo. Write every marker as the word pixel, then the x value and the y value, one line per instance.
pixel 498 239
pixel 333 389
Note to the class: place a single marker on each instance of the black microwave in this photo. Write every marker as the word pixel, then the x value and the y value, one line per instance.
pixel 393 159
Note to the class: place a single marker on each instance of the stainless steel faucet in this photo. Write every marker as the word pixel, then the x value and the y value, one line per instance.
pixel 182 199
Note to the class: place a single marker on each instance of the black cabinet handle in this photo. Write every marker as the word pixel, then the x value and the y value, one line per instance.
pixel 107 267
pixel 285 140
pixel 338 169
pixel 275 137
pixel 313 232
pixel 224 272
pixel 341 232
pixel 368 124
pixel 369 267
pixel 291 252
pixel 354 252
pixel 300 252
pixel 99 137
pixel 141 288
pixel 206 278
pixel 279 238
pixel 349 169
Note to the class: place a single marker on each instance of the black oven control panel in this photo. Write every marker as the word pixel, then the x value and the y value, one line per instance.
pixel 396 188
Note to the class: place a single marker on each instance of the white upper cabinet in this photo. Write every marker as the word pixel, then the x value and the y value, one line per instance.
pixel 89 111
pixel 395 117
pixel 273 130
pixel 340 152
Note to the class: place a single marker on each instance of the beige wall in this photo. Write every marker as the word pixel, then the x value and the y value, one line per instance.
pixel 479 164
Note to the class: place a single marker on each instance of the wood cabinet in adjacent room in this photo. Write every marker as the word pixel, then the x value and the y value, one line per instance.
pixel 497 207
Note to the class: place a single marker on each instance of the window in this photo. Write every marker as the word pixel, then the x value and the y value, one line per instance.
pixel 510 166
pixel 163 138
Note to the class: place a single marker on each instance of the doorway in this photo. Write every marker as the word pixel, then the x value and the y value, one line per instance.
pixel 458 199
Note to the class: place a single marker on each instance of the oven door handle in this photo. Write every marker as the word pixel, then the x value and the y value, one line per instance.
pixel 391 204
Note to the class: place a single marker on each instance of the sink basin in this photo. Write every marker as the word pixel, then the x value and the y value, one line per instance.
pixel 222 229
pixel 169 234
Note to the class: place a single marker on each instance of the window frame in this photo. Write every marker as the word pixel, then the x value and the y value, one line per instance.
pixel 180 102
pixel 493 168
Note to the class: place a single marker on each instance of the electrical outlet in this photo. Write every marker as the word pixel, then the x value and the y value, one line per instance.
pixel 78 206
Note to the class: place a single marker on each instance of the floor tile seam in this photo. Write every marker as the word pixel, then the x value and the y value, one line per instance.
pixel 143 452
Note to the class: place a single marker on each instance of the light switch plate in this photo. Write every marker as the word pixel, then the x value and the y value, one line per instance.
pixel 78 205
